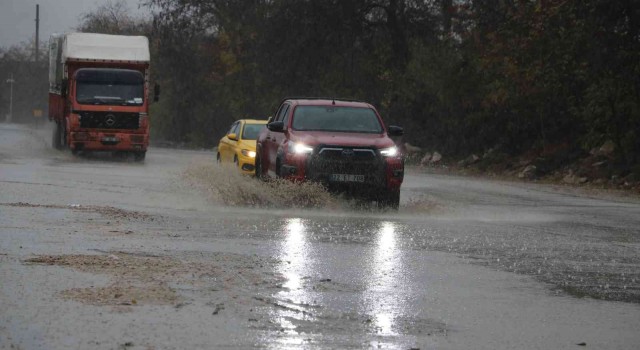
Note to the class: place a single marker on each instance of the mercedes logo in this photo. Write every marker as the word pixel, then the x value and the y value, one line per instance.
pixel 110 119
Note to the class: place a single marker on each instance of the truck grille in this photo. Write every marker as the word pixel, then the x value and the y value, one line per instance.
pixel 346 160
pixel 109 120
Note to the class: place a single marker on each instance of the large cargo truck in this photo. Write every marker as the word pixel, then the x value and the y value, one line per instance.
pixel 99 92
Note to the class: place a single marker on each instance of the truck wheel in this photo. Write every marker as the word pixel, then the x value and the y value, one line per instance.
pixel 139 156
pixel 56 139
pixel 63 135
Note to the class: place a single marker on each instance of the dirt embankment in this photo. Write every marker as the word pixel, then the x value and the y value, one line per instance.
pixel 598 169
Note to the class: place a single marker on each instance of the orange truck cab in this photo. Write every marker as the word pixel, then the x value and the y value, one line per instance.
pixel 99 92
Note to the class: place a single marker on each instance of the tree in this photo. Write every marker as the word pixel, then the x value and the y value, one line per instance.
pixel 31 81
pixel 463 76
pixel 113 18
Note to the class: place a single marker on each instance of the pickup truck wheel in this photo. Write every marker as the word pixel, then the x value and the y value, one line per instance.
pixel 278 166
pixel 56 139
pixel 258 166
pixel 389 200
pixel 139 156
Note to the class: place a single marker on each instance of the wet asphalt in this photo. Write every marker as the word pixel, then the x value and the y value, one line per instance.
pixel 466 263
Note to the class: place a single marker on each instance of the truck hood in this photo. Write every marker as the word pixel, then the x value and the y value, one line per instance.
pixel 314 138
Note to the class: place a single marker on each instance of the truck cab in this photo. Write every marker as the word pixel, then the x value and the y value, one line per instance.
pixel 99 93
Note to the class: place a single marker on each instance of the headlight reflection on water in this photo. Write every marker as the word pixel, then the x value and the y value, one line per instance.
pixel 381 299
pixel 294 263
pixel 294 253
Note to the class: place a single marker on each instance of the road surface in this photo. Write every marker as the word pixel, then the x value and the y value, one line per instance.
pixel 176 253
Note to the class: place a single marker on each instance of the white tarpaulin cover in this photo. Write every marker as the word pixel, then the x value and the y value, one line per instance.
pixel 89 46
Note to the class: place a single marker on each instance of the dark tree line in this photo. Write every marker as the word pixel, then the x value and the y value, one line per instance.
pixel 462 76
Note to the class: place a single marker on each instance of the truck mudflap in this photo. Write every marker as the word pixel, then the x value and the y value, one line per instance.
pixel 108 141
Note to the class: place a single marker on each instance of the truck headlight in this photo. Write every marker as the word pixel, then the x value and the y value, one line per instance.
pixel 247 153
pixel 389 152
pixel 299 148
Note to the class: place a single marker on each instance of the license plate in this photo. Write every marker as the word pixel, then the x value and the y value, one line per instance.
pixel 347 178
pixel 110 139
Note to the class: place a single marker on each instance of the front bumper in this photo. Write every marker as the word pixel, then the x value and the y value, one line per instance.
pixel 369 173
pixel 246 164
pixel 108 141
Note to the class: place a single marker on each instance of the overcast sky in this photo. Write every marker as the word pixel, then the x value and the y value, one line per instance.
pixel 17 17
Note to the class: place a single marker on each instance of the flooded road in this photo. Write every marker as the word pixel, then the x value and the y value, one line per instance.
pixel 174 253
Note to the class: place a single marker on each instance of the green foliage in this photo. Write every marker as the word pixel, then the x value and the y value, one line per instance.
pixel 569 69
pixel 461 76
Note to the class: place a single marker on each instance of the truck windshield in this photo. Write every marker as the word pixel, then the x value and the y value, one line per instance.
pixel 105 86
pixel 251 131
pixel 338 119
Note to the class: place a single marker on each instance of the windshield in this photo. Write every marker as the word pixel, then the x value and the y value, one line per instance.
pixel 104 86
pixel 250 131
pixel 340 119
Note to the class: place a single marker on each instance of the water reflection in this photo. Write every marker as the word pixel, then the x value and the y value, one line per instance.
pixel 293 253
pixel 385 285
pixel 294 263
pixel 381 288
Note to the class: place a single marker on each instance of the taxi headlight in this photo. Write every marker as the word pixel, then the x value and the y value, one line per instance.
pixel 247 153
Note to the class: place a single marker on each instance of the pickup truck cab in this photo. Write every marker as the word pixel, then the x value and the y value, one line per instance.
pixel 339 143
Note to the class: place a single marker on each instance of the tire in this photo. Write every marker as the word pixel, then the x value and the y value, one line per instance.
pixel 56 138
pixel 235 161
pixel 258 166
pixel 63 135
pixel 139 156
pixel 75 151
pixel 278 166
pixel 390 200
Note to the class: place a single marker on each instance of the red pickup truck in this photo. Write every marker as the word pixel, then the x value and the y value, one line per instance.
pixel 341 143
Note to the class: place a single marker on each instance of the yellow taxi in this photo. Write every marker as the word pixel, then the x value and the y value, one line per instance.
pixel 239 144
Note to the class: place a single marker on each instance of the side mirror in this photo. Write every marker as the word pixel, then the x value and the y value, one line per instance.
pixel 233 137
pixel 395 130
pixel 276 126
pixel 156 93
pixel 64 87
